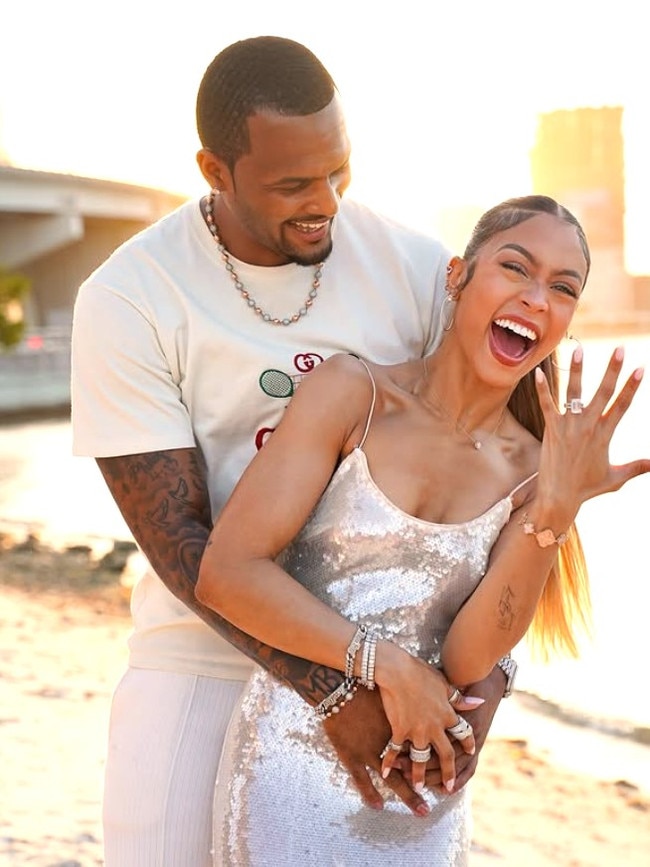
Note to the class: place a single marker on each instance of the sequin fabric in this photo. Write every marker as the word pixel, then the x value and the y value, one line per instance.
pixel 282 799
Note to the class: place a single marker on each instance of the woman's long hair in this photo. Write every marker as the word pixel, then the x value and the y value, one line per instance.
pixel 565 604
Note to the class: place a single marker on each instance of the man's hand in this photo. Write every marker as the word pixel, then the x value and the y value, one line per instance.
pixel 358 734
pixel 490 689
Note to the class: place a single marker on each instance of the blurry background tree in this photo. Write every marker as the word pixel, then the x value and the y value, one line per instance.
pixel 13 288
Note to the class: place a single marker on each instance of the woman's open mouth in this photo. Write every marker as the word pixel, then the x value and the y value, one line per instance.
pixel 512 341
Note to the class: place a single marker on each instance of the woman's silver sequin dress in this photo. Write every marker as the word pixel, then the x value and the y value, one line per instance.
pixel 282 799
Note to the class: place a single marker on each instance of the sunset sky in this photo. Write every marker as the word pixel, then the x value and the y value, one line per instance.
pixel 441 109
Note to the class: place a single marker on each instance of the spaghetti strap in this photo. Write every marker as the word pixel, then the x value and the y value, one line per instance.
pixel 372 404
pixel 521 485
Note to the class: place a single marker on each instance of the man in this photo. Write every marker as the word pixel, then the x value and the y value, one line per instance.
pixel 187 344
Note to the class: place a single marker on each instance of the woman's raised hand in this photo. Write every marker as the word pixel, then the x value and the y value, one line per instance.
pixel 574 461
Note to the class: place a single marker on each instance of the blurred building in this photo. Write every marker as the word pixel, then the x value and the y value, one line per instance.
pixel 578 159
pixel 56 229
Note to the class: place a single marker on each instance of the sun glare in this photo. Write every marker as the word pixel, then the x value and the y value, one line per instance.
pixel 442 119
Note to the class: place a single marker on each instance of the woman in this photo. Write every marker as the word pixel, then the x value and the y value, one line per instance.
pixel 405 518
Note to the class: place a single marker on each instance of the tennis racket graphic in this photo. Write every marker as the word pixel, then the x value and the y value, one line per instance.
pixel 277 383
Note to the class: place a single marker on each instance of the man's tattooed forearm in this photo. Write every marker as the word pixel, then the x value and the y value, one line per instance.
pixel 190 552
pixel 164 499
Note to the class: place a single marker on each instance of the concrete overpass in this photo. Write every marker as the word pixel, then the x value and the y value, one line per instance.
pixel 56 229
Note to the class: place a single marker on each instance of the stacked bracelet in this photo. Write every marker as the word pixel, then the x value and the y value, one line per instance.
pixel 351 653
pixel 368 656
pixel 333 702
pixel 365 641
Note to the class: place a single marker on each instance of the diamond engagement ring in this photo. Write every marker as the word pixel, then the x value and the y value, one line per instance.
pixel 574 406
pixel 417 755
pixel 461 730
pixel 391 746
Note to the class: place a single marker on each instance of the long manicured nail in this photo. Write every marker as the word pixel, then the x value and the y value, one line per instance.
pixel 638 373
pixel 619 353
pixel 422 810
pixel 449 785
pixel 577 355
pixel 385 773
pixel 419 788
pixel 473 700
pixel 539 375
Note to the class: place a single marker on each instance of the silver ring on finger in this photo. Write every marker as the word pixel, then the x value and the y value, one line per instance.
pixel 417 755
pixel 456 694
pixel 574 406
pixel 461 730
pixel 391 745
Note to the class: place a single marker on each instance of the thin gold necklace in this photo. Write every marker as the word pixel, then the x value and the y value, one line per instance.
pixel 243 291
pixel 478 444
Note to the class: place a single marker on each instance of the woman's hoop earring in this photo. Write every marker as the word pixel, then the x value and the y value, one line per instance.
pixel 567 336
pixel 448 312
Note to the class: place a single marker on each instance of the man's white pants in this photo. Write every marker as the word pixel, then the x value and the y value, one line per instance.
pixel 165 740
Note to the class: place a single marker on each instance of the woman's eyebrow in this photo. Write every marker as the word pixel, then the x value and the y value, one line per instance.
pixel 567 272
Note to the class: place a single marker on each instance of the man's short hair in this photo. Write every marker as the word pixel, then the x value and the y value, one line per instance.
pixel 263 73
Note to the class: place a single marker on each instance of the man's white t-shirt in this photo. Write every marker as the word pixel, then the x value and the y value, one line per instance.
pixel 167 354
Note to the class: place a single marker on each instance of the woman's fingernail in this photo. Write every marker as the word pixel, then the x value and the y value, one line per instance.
pixel 385 773
pixel 539 376
pixel 449 785
pixel 473 700
pixel 638 373
pixel 422 810
pixel 619 353
pixel 419 788
pixel 577 354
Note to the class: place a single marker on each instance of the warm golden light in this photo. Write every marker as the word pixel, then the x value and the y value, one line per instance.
pixel 442 112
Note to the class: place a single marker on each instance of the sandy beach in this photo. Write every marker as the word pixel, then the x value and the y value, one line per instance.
pixel 64 624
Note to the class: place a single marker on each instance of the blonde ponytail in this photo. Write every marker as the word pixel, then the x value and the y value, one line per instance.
pixel 565 606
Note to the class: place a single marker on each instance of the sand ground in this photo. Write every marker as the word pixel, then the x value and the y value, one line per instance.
pixel 61 652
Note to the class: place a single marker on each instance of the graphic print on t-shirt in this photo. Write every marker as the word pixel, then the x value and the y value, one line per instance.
pixel 277 383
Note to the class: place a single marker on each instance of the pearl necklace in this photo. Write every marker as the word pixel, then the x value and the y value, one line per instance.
pixel 478 444
pixel 243 291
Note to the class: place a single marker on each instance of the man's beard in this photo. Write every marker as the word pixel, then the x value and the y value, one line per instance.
pixel 312 258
